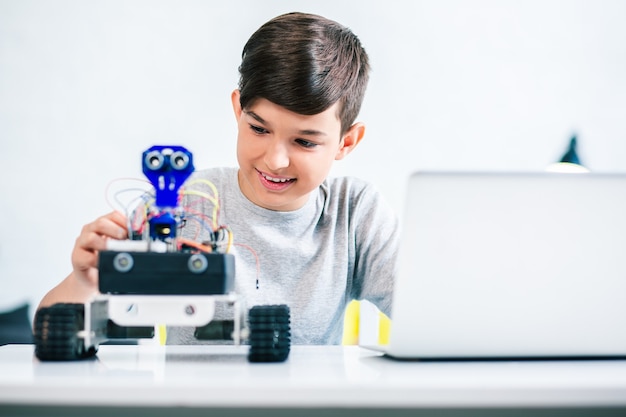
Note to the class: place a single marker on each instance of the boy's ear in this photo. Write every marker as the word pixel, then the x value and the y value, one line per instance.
pixel 234 98
pixel 350 140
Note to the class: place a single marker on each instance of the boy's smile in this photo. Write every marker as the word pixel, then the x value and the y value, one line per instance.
pixel 275 183
pixel 283 155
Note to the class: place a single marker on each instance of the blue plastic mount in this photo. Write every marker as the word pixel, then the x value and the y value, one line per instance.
pixel 167 168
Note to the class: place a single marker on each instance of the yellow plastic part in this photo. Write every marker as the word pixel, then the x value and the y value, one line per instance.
pixel 351 323
pixel 162 334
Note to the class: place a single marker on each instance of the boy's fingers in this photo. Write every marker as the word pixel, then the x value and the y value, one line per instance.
pixel 91 241
pixel 93 238
pixel 118 218
pixel 111 225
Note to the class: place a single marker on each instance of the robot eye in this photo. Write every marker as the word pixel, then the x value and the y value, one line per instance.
pixel 154 160
pixel 179 160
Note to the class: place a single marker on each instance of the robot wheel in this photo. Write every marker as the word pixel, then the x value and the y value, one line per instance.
pixel 270 333
pixel 56 330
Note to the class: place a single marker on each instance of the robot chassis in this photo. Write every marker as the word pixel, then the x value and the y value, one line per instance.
pixel 148 280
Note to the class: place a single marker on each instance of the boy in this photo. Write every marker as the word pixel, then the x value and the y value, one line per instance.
pixel 313 243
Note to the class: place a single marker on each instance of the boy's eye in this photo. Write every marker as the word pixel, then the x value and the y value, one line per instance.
pixel 306 143
pixel 258 129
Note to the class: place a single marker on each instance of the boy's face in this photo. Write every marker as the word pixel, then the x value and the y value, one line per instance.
pixel 283 156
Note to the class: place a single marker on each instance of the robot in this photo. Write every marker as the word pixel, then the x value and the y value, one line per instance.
pixel 158 278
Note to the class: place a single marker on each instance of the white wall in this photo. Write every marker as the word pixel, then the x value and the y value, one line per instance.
pixel 86 86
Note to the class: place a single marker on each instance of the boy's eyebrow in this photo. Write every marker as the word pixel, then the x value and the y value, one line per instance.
pixel 307 132
pixel 255 116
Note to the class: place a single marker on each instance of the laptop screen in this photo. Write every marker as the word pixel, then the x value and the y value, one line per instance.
pixel 522 265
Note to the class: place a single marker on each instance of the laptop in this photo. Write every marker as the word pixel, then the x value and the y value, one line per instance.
pixel 511 265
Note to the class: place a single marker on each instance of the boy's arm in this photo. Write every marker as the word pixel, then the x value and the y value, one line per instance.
pixel 70 290
pixel 377 250
pixel 82 283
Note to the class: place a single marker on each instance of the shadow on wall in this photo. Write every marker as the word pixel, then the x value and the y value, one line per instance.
pixel 15 326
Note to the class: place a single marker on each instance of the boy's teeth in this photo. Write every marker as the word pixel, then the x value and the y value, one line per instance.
pixel 275 179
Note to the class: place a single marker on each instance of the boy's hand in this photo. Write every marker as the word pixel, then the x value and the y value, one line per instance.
pixel 93 238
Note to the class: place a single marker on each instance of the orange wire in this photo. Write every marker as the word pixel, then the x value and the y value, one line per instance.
pixel 196 245
pixel 256 258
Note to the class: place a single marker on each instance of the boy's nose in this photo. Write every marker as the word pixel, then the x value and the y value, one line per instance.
pixel 276 156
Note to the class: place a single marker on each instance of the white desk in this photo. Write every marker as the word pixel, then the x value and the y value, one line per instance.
pixel 316 380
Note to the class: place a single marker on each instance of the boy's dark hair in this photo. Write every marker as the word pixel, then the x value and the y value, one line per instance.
pixel 305 63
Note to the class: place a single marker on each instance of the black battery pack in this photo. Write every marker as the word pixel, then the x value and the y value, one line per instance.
pixel 170 273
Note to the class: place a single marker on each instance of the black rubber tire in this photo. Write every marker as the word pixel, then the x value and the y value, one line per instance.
pixel 270 333
pixel 56 333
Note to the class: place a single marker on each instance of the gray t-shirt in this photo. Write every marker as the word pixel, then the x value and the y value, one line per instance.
pixel 341 245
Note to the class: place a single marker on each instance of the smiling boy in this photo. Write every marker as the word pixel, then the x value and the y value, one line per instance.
pixel 283 156
pixel 312 242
